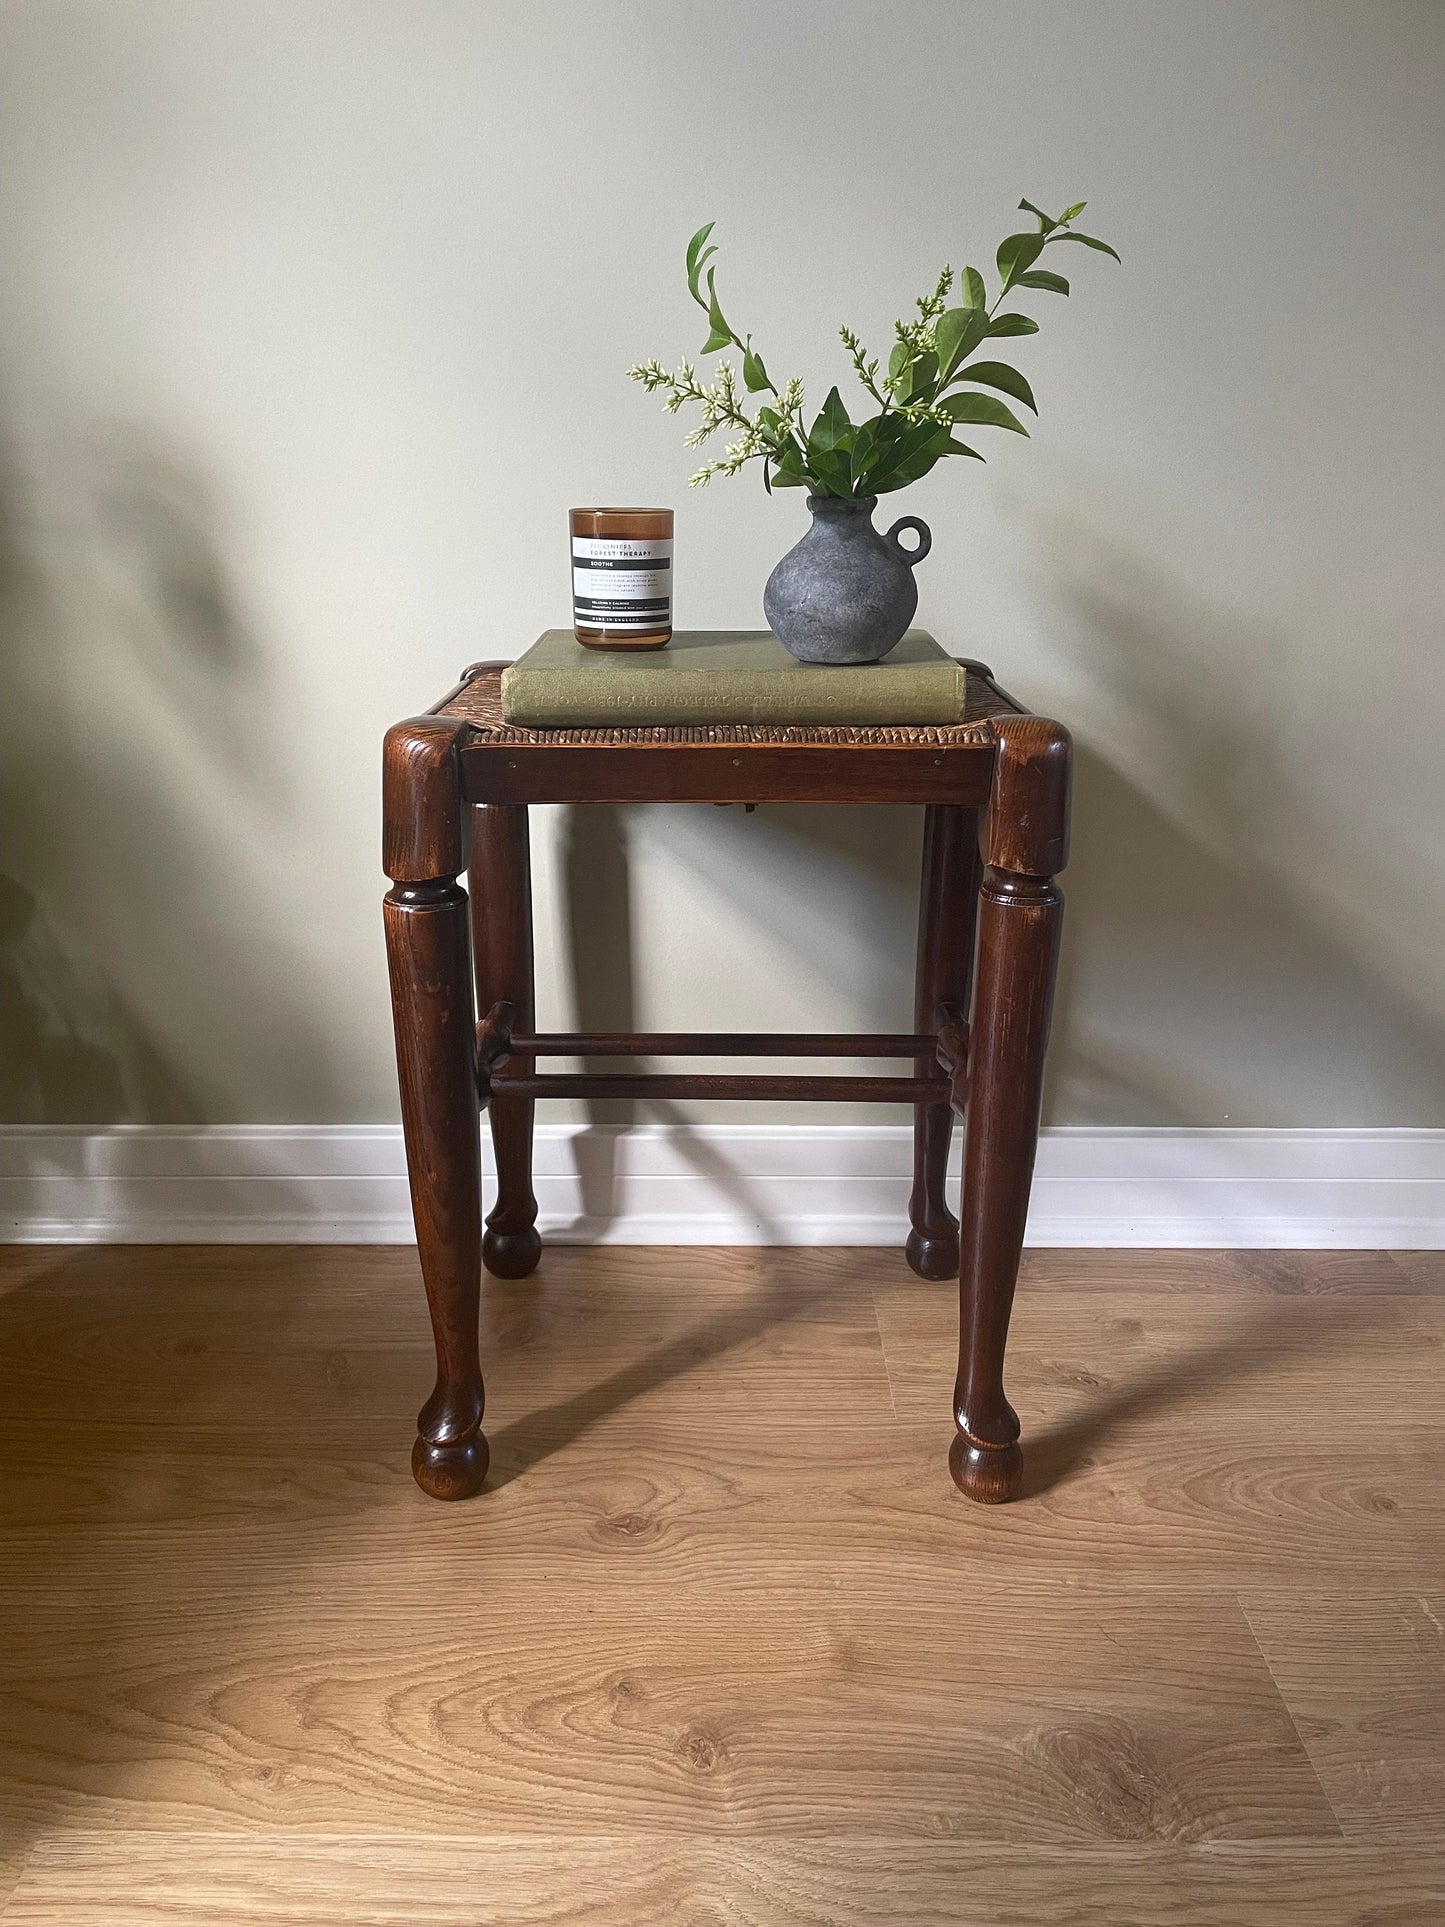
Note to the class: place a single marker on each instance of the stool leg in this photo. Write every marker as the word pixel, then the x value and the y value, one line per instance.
pixel 425 914
pixel 501 876
pixel 947 911
pixel 1020 912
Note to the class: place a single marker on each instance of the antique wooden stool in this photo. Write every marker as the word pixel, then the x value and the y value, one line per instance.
pixel 457 783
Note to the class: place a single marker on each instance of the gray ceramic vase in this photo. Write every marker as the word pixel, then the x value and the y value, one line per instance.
pixel 845 593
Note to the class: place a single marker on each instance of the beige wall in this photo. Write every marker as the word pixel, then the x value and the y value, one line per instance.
pixel 313 318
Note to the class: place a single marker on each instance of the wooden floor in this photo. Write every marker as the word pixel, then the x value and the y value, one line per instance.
pixel 720 1643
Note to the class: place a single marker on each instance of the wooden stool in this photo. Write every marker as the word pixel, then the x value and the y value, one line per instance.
pixel 460 768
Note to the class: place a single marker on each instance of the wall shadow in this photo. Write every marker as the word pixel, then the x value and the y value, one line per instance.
pixel 1255 924
pixel 599 949
pixel 1253 978
pixel 70 1051
pixel 138 775
pixel 810 878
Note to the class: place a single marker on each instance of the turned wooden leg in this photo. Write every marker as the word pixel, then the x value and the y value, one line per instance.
pixel 501 877
pixel 425 914
pixel 1020 910
pixel 946 915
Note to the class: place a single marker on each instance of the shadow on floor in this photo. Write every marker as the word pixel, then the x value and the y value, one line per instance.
pixel 1270 1334
pixel 527 1441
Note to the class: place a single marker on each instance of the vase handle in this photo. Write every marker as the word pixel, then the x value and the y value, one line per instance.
pixel 925 540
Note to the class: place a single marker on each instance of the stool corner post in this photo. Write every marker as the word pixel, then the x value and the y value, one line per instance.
pixel 1028 816
pixel 421 800
pixel 947 916
pixel 1019 919
pixel 425 914
pixel 500 875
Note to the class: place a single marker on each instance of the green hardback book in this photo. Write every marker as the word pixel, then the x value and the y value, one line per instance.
pixel 725 676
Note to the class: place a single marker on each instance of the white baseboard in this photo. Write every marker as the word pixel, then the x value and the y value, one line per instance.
pixel 784 1184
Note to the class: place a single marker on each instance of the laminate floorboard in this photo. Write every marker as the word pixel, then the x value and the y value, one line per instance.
pixel 581 1880
pixel 1364 1677
pixel 720 1643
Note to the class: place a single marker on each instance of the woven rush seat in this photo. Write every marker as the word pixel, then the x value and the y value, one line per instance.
pixel 478 702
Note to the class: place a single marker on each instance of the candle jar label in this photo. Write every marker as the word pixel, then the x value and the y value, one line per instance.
pixel 621 582
pixel 622 577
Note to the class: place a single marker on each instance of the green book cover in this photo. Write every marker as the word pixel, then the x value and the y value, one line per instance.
pixel 725 676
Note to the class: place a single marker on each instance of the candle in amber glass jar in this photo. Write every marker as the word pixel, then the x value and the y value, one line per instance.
pixel 622 577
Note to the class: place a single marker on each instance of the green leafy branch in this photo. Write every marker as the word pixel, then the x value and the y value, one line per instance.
pixel 930 386
pixel 774 432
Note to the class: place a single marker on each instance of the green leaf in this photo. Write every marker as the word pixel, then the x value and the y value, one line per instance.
pixel 881 480
pixel 1046 223
pixel 912 376
pixel 789 468
pixel 906 477
pixel 864 452
pixel 884 434
pixel 722 334
pixel 998 374
pixel 1017 252
pixel 956 334
pixel 830 427
pixel 900 371
pixel 830 467
pixel 917 452
pixel 1013 324
pixel 1089 242
pixel 923 376
pixel 755 376
pixel 915 458
pixel 695 260
pixel 971 289
pixel 1072 213
pixel 982 408
pixel 919 437
pixel 770 418
pixel 1041 278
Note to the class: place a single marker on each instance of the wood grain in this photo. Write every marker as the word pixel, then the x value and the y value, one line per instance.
pixel 1277 1366
pixel 719 1642
pixel 1309 1274
pixel 1426 1269
pixel 14 1856
pixel 588 1497
pixel 1364 1677
pixel 580 1880
pixel 296 1339
pixel 1006 1717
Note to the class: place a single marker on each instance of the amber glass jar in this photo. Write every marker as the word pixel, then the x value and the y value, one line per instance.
pixel 622 577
